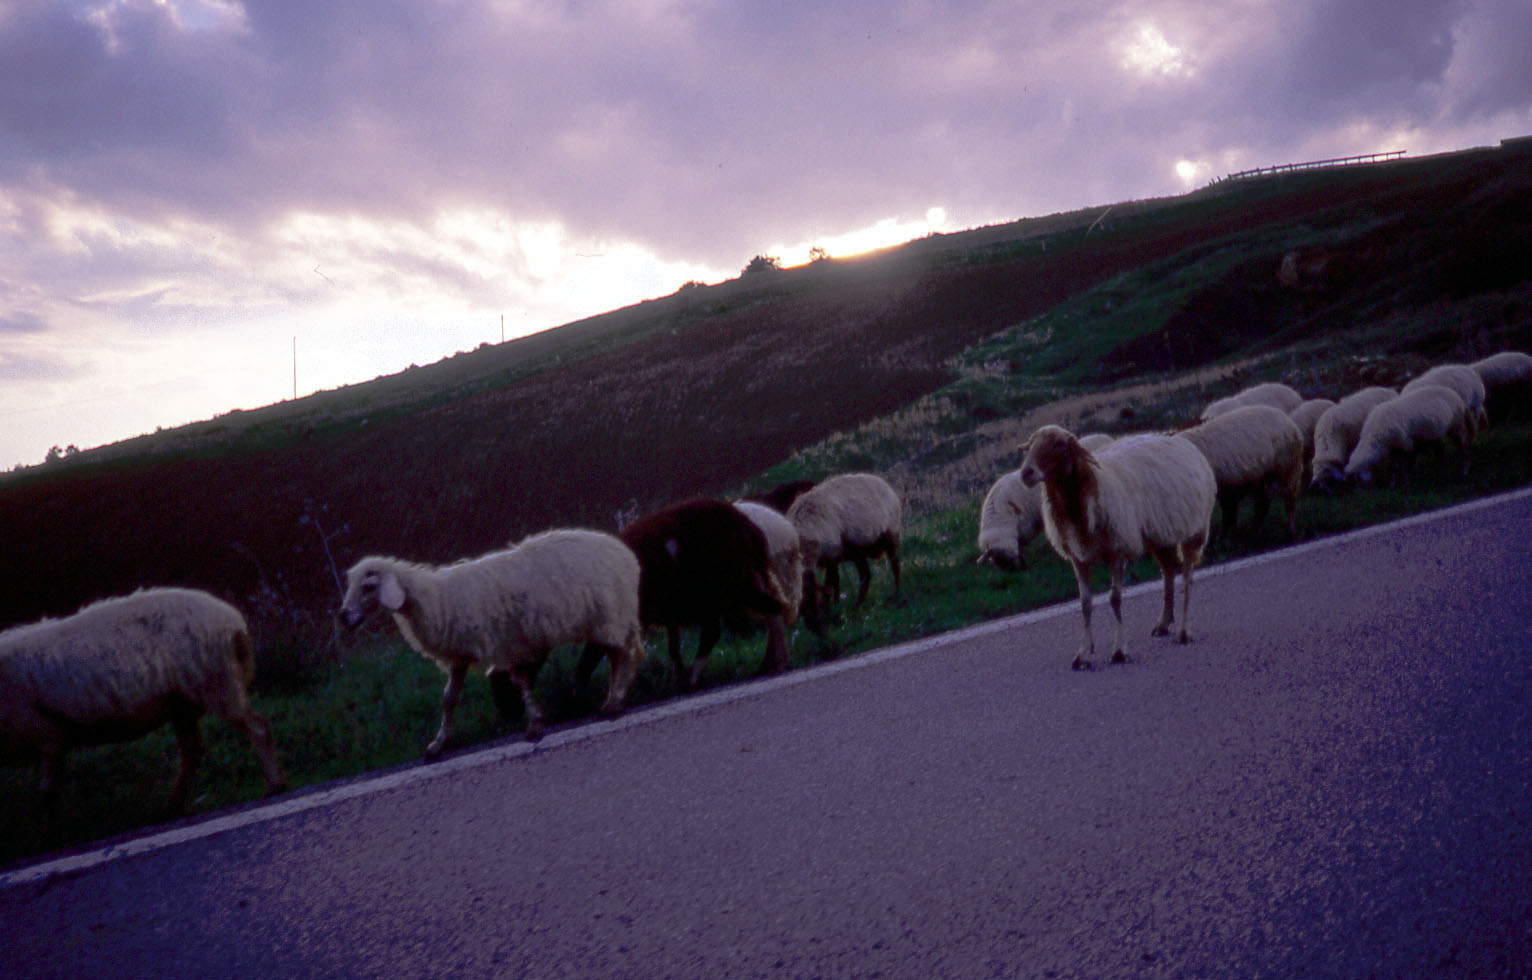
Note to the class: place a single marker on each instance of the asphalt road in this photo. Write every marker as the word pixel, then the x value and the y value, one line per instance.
pixel 1333 780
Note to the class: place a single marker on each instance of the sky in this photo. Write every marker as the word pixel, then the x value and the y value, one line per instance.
pixel 195 195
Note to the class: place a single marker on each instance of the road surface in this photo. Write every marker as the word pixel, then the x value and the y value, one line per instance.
pixel 1333 780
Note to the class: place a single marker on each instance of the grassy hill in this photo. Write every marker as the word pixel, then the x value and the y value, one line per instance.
pixel 927 362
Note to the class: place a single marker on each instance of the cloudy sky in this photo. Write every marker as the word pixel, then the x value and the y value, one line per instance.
pixel 188 186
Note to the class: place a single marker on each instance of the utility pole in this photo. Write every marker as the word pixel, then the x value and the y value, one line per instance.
pixel 502 328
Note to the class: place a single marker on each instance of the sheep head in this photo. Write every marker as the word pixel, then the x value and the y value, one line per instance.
pixel 1053 454
pixel 369 585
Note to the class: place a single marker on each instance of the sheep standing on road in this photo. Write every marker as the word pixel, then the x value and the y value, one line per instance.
pixel 1507 378
pixel 508 610
pixel 852 517
pixel 1273 393
pixel 1337 432
pixel 1255 449
pixel 119 669
pixel 1142 494
pixel 1398 429
pixel 704 563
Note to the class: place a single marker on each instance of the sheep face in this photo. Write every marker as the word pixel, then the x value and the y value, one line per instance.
pixel 368 587
pixel 1051 452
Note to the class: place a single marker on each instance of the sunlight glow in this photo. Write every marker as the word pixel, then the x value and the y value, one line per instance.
pixel 1193 172
pixel 882 234
pixel 1153 56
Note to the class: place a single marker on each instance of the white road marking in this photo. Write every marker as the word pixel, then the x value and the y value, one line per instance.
pixel 365 786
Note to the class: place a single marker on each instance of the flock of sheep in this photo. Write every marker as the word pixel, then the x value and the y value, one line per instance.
pixel 123 667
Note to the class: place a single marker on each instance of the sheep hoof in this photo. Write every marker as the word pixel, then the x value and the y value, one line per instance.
pixel 1081 664
pixel 1162 629
pixel 611 710
pixel 1185 637
pixel 534 731
pixel 1120 657
pixel 433 752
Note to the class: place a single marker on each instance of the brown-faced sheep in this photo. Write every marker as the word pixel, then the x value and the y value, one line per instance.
pixel 1428 415
pixel 507 611
pixel 704 563
pixel 121 668
pixel 852 517
pixel 786 554
pixel 1466 383
pixel 1142 494
pixel 1254 450
pixel 1012 515
pixel 1273 393
pixel 1337 431
pixel 1507 378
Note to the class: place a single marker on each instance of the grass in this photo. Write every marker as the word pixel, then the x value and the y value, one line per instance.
pixel 377 704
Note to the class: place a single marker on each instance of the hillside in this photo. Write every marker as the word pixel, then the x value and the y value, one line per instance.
pixel 702 391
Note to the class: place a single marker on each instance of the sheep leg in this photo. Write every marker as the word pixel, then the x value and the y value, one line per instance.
pixel 185 719
pixel 1082 659
pixel 775 660
pixel 258 733
pixel 711 631
pixel 810 608
pixel 524 677
pixel 893 561
pixel 832 583
pixel 1191 553
pixel 864 578
pixel 1119 655
pixel 1166 558
pixel 622 665
pixel 456 674
pixel 673 645
pixel 1262 508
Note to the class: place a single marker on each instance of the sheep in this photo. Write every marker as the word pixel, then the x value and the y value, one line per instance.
pixel 853 517
pixel 1306 418
pixel 1337 431
pixel 1463 380
pixel 120 668
pixel 1427 414
pixel 704 562
pixel 1254 448
pixel 1012 515
pixel 780 497
pixel 1507 378
pixel 1273 393
pixel 1142 494
pixel 786 555
pixel 508 610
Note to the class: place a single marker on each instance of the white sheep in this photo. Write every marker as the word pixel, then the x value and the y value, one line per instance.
pixel 786 554
pixel 1463 380
pixel 1252 449
pixel 121 668
pixel 852 517
pixel 1273 393
pixel 1336 433
pixel 508 610
pixel 1400 427
pixel 1507 378
pixel 1142 494
pixel 1306 417
pixel 1012 515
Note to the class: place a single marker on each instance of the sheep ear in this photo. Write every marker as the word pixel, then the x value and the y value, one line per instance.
pixel 391 593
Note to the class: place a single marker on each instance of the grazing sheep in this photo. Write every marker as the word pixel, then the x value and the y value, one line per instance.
pixel 1306 418
pixel 508 610
pixel 1336 434
pixel 1012 515
pixel 1142 494
pixel 704 562
pixel 1399 428
pixel 1273 393
pixel 1252 449
pixel 1507 378
pixel 1463 380
pixel 119 669
pixel 780 497
pixel 786 555
pixel 852 517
